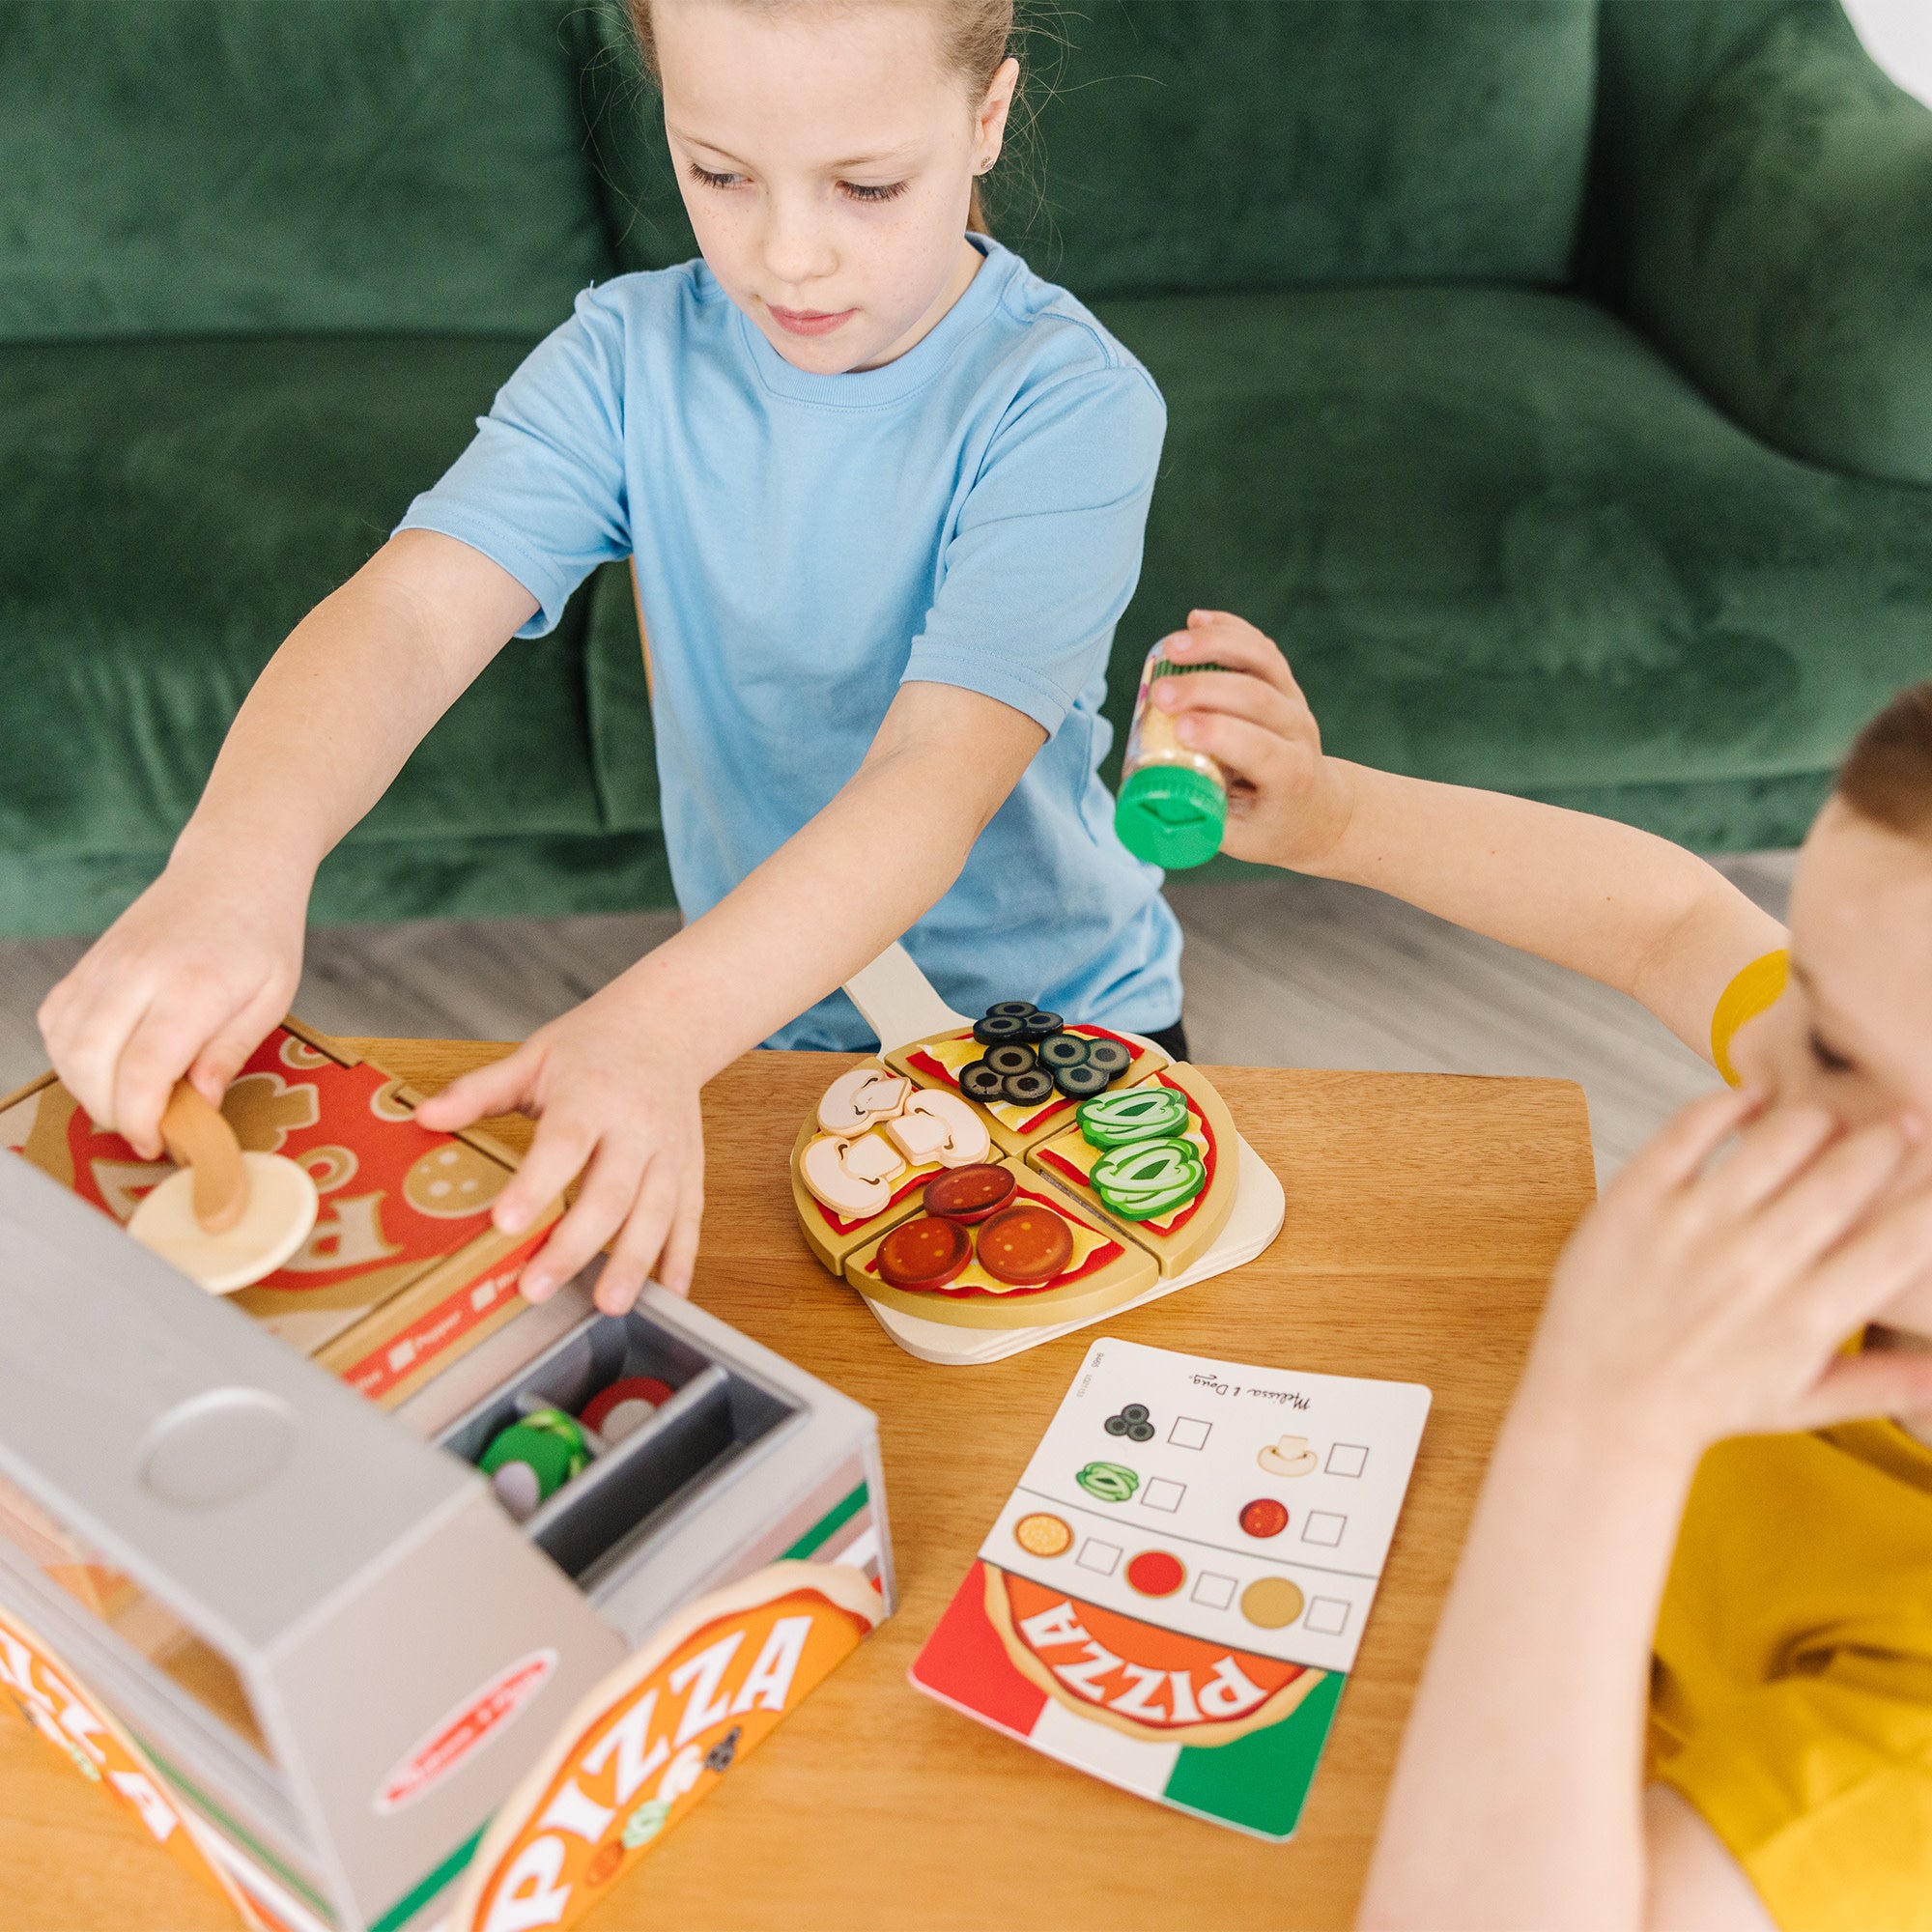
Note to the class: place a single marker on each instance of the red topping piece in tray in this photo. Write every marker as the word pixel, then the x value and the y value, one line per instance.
pixel 925 1252
pixel 1026 1245
pixel 970 1193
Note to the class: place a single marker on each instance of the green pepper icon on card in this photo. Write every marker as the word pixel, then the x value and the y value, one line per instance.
pixel 1111 1482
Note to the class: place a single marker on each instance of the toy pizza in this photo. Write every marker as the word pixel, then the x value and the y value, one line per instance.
pixel 1015 1173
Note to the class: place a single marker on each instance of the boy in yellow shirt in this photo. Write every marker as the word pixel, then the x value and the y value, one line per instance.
pixel 1784 1775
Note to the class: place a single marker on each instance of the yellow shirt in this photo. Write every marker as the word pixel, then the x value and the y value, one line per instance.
pixel 1792 1695
pixel 1792 1691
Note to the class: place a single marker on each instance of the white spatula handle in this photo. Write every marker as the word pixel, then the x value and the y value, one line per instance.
pixel 896 999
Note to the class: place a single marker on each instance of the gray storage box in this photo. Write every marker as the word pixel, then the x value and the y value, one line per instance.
pixel 326 1641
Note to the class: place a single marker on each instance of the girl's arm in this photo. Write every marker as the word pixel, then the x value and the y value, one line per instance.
pixel 198 969
pixel 1695 1302
pixel 1625 907
pixel 615 1081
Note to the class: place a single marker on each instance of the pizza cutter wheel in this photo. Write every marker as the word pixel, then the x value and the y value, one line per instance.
pixel 226 1218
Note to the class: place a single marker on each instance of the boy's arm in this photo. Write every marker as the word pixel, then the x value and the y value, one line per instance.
pixel 615 1081
pixel 1625 907
pixel 1696 1301
pixel 192 975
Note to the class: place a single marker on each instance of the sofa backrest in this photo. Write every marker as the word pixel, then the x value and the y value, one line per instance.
pixel 1253 144
pixel 179 167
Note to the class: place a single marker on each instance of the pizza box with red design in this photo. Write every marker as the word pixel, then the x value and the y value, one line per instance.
pixel 403 1272
pixel 280 1614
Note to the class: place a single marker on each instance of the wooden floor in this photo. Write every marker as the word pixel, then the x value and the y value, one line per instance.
pixel 1280 972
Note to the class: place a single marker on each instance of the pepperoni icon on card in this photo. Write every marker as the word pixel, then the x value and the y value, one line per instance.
pixel 1153 1573
pixel 1265 1517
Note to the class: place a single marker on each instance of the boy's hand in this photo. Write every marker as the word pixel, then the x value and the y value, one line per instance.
pixel 1704 1299
pixel 1287 804
pixel 188 980
pixel 617 1101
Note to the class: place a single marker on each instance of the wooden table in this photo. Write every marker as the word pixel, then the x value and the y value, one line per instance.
pixel 1423 1213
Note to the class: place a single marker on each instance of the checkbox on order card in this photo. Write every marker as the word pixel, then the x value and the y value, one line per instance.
pixel 1347 1459
pixel 1189 1431
pixel 1162 1494
pixel 1327 1616
pixel 1324 1526
pixel 1103 1558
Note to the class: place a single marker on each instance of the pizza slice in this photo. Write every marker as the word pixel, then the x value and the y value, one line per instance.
pixel 1159 1160
pixel 861 1162
pixel 939 1061
pixel 1034 1260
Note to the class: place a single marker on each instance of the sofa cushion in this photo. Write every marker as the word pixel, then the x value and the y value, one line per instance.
pixel 173 508
pixel 1245 144
pixel 1504 544
pixel 256 166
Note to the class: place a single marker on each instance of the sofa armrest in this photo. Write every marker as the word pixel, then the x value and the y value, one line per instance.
pixel 1774 229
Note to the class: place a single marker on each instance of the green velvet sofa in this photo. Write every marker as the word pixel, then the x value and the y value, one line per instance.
pixel 1553 376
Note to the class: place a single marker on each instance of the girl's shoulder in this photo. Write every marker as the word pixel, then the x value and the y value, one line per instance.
pixel 686 292
pixel 1054 324
pixel 1052 343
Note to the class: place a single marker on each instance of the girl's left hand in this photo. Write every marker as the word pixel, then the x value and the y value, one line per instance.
pixel 1709 1297
pixel 616 1100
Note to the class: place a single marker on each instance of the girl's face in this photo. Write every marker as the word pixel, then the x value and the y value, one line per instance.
pixel 1853 1029
pixel 826 160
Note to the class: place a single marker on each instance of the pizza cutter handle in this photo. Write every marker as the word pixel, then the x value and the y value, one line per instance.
pixel 898 1001
pixel 199 1139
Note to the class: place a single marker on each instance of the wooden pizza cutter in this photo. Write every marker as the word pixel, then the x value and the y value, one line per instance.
pixel 226 1218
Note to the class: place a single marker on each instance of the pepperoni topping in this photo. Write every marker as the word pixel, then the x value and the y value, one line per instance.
pixel 1026 1245
pixel 970 1193
pixel 925 1252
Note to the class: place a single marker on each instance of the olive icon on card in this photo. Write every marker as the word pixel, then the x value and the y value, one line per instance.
pixel 1133 1422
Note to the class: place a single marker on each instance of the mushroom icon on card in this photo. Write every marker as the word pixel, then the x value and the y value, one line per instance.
pixel 1289 1456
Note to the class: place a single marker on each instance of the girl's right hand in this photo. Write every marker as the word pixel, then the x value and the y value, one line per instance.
pixel 1705 1298
pixel 188 980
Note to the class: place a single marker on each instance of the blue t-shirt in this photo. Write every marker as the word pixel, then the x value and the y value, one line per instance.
pixel 970 514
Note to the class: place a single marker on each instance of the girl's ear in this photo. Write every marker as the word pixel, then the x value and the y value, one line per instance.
pixel 990 119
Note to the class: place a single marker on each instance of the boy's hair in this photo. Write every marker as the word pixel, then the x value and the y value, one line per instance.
pixel 1887 776
pixel 974 35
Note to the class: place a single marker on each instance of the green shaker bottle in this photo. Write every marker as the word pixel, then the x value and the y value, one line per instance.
pixel 1173 804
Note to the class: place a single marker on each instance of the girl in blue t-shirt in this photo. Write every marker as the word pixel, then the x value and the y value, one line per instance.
pixel 885 491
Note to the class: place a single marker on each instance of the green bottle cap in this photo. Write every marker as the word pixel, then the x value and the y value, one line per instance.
pixel 1171 815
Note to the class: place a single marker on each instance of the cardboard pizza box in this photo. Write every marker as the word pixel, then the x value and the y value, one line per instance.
pixel 403 1272
pixel 313 1655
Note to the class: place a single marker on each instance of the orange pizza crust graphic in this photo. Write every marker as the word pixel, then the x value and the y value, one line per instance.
pixel 656 1736
pixel 1137 1679
pixel 54 1701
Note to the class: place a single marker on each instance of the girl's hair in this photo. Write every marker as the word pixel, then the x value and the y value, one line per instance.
pixel 974 35
pixel 1887 776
